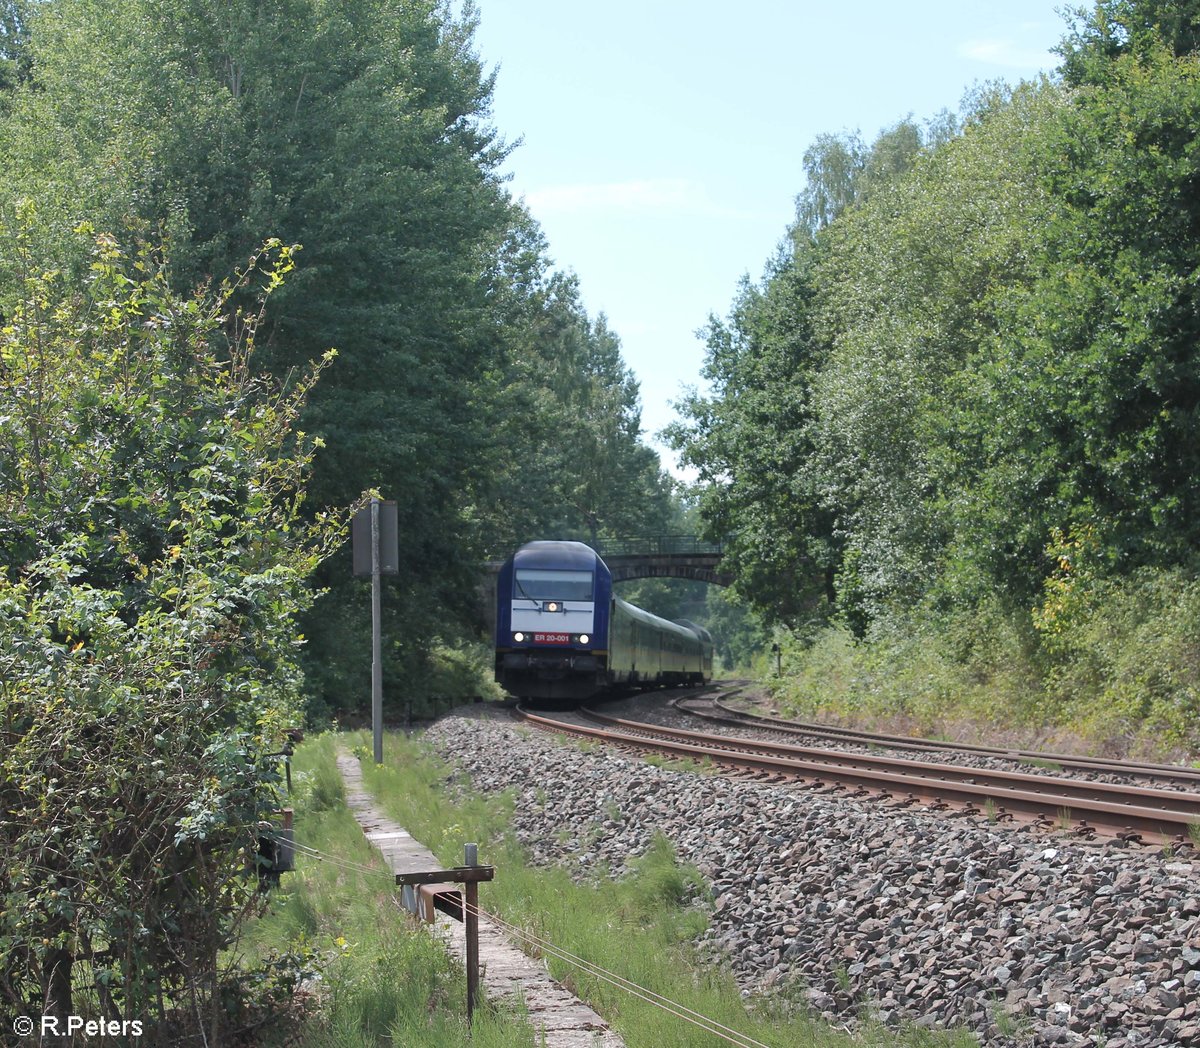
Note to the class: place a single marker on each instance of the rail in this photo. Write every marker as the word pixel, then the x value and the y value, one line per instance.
pixel 1132 814
pixel 743 719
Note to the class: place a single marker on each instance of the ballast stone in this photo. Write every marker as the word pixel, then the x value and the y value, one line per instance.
pixel 931 908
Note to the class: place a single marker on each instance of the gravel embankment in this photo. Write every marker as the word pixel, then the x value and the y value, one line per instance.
pixel 1024 938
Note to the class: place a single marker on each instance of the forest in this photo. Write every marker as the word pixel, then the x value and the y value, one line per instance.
pixel 469 384
pixel 259 259
pixel 255 260
pixel 952 433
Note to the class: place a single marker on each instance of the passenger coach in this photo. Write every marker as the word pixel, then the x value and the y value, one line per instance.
pixel 562 635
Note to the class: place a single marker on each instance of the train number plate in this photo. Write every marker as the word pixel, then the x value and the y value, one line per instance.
pixel 552 638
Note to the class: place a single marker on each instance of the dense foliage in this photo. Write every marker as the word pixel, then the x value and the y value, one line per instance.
pixel 163 550
pixel 153 558
pixel 967 392
pixel 471 386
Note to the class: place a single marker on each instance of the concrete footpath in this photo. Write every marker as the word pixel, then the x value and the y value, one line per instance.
pixel 506 974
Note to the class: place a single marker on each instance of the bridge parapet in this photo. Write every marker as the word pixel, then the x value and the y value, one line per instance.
pixel 658 557
pixel 658 546
pixel 698 567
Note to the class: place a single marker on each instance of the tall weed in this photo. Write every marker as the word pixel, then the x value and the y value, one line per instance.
pixel 1119 671
pixel 372 977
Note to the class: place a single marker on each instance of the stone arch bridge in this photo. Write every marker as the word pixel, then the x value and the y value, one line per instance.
pixel 657 557
pixel 641 557
pixel 664 557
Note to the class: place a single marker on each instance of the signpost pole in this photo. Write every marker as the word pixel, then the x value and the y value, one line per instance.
pixel 376 638
pixel 471 927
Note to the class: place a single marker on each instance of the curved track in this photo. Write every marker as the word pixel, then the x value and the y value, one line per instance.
pixel 740 719
pixel 1132 813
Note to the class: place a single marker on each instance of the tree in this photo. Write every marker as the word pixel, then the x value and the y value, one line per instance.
pixel 361 131
pixel 567 458
pixel 14 46
pixel 840 170
pixel 154 559
pixel 611 481
pixel 755 439
pixel 910 289
pixel 1116 28
pixel 357 130
pixel 1088 402
pixel 750 439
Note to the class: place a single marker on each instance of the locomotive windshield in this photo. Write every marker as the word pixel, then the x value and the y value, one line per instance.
pixel 541 584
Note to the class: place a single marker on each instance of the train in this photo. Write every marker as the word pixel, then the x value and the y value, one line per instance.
pixel 563 636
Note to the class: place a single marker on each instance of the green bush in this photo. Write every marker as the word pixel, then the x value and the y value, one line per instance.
pixel 152 559
pixel 1129 671
pixel 1117 666
pixel 918 670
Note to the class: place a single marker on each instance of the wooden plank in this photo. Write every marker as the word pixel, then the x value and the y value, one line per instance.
pixel 460 874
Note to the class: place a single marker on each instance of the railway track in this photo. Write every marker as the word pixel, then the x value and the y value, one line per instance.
pixel 731 717
pixel 1136 814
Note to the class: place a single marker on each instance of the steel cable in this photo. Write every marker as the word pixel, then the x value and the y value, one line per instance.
pixel 680 1011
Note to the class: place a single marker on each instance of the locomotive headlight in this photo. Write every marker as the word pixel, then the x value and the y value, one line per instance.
pixel 584 638
pixel 553 605
pixel 518 637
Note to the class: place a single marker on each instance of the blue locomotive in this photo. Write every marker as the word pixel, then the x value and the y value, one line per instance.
pixel 562 635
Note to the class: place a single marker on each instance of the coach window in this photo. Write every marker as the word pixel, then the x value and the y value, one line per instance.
pixel 543 584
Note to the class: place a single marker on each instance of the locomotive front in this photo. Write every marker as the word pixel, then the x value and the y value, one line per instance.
pixel 552 613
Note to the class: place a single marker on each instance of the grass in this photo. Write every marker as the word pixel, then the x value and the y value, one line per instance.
pixel 585 745
pixel 1010 1025
pixel 1040 763
pixel 371 976
pixel 640 926
pixel 704 766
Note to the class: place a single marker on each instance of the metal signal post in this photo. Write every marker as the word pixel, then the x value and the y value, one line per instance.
pixel 376 639
pixel 375 537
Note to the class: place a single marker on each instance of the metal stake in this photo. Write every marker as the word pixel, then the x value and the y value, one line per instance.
pixel 471 927
pixel 376 638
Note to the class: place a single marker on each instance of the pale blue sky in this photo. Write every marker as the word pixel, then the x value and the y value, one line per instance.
pixel 662 139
